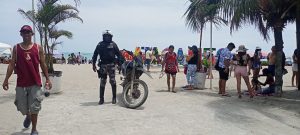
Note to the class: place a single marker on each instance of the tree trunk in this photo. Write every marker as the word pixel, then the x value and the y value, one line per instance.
pixel 298 40
pixel 49 61
pixel 278 63
pixel 201 32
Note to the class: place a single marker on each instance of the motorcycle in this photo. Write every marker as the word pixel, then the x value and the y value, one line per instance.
pixel 135 91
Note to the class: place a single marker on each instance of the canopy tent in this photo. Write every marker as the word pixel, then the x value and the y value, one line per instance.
pixel 5 50
pixel 4 46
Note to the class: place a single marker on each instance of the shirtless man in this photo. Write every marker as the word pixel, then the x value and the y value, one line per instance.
pixel 272 61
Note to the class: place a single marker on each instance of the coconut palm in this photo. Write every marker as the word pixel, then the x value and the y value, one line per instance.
pixel 48 15
pixel 200 12
pixel 265 15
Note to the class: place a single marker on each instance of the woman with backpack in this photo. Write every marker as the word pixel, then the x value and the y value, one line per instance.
pixel 170 67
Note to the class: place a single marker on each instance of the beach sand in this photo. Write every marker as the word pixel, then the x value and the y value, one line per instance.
pixel 75 111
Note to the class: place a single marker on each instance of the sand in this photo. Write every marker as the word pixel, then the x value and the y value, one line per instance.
pixel 199 112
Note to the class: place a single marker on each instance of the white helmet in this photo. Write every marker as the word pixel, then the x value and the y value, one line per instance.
pixel 107 32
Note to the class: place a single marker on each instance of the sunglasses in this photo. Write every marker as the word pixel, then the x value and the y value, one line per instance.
pixel 26 32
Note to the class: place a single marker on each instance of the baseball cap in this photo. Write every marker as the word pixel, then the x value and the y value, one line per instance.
pixel 26 28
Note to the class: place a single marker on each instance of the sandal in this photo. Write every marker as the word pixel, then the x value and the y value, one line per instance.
pixel 189 88
pixel 34 133
pixel 185 86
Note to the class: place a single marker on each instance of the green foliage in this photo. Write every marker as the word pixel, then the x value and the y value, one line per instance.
pixel 49 14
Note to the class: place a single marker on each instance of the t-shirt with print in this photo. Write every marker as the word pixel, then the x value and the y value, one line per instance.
pixel 224 54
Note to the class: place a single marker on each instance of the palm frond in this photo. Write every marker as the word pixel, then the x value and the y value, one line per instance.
pixel 29 15
pixel 55 34
pixel 201 11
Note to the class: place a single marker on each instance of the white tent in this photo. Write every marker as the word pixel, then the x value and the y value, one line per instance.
pixel 5 49
pixel 6 52
pixel 4 46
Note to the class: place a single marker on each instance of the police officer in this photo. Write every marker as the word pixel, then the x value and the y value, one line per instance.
pixel 107 50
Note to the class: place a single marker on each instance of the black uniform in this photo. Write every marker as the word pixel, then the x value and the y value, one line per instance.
pixel 107 51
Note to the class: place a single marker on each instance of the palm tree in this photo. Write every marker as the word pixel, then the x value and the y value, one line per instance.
pixel 48 15
pixel 200 12
pixel 266 15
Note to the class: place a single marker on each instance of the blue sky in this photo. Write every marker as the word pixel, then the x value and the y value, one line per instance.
pixel 136 23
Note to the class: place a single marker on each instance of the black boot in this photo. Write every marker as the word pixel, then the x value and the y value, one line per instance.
pixel 102 89
pixel 114 92
pixel 114 101
pixel 101 101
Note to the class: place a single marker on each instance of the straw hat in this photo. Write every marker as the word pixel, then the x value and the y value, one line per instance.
pixel 242 48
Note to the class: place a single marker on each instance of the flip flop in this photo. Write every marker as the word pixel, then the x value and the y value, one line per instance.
pixel 34 133
pixel 185 86
pixel 189 88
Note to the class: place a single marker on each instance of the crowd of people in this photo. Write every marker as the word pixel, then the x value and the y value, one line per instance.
pixel 225 62
pixel 242 65
pixel 27 57
pixel 74 59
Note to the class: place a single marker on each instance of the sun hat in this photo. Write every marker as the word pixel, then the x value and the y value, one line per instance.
pixel 26 28
pixel 242 48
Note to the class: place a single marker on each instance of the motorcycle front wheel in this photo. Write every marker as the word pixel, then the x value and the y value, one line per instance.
pixel 134 98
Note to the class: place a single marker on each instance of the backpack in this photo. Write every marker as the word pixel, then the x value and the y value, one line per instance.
pixel 217 67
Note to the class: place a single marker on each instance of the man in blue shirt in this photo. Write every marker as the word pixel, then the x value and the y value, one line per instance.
pixel 224 57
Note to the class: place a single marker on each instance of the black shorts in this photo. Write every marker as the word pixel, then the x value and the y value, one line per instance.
pixel 223 74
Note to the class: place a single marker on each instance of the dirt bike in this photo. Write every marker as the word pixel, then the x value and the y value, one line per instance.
pixel 135 91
